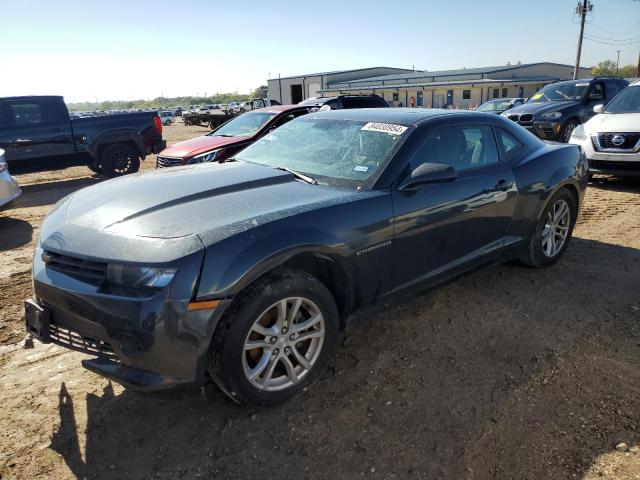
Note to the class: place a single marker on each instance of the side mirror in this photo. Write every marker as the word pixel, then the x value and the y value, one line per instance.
pixel 428 173
pixel 598 108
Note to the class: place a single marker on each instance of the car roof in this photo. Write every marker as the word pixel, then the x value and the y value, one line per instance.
pixel 280 108
pixel 398 116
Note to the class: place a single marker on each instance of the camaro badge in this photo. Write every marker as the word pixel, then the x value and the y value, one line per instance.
pixel 373 247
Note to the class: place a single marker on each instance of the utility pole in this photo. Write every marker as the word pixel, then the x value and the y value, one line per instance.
pixel 618 62
pixel 581 10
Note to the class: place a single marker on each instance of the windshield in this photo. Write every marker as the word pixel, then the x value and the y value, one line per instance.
pixel 315 101
pixel 245 125
pixel 627 101
pixel 562 91
pixel 336 152
pixel 495 106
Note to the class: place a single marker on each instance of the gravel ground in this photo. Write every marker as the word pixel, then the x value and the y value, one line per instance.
pixel 510 373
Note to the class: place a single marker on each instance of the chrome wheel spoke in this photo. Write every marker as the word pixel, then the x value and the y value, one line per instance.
pixel 291 370
pixel 556 228
pixel 251 344
pixel 293 312
pixel 281 308
pixel 301 359
pixel 260 366
pixel 262 330
pixel 272 363
pixel 308 335
pixel 299 327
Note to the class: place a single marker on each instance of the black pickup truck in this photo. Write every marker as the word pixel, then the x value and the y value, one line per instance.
pixel 38 128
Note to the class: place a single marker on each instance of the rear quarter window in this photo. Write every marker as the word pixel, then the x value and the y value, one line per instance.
pixel 508 144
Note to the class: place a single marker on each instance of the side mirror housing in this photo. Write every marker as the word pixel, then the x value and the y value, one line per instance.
pixel 598 108
pixel 428 173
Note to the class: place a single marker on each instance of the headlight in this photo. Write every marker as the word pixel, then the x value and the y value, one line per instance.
pixel 206 157
pixel 131 276
pixel 551 116
pixel 578 134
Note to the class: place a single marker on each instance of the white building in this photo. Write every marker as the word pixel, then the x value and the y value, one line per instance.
pixel 463 88
pixel 291 90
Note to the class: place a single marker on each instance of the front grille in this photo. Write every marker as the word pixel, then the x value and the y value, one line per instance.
pixel 81 343
pixel 162 162
pixel 630 140
pixel 525 119
pixel 608 165
pixel 76 267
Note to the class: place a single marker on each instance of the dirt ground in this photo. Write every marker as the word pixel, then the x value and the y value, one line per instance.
pixel 510 373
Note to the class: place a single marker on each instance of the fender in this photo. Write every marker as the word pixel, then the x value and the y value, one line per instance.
pixel 247 258
pixel 123 135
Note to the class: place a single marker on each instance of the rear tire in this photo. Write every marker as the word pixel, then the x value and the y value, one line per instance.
pixel 119 159
pixel 167 123
pixel 553 231
pixel 288 356
pixel 95 167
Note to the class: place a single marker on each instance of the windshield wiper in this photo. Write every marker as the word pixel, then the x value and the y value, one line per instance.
pixel 222 135
pixel 565 96
pixel 299 175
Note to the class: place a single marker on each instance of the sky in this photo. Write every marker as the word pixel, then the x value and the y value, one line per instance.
pixel 121 50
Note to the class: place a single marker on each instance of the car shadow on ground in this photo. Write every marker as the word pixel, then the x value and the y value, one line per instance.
pixel 629 185
pixel 21 232
pixel 40 194
pixel 507 373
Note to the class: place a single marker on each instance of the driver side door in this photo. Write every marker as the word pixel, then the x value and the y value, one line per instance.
pixel 443 229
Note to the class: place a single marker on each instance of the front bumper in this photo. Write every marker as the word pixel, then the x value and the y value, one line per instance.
pixel 544 130
pixel 9 190
pixel 146 342
pixel 607 163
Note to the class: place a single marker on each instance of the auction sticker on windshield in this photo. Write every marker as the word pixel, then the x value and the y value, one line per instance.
pixel 385 128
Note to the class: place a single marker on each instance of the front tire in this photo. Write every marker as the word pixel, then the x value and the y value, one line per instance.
pixel 567 130
pixel 553 232
pixel 275 340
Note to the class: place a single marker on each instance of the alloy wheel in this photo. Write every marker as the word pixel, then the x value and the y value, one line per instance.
pixel 556 228
pixel 283 344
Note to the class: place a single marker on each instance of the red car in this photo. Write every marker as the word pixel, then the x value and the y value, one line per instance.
pixel 231 137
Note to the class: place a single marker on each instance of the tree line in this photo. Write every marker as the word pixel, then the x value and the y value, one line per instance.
pixel 166 102
pixel 607 68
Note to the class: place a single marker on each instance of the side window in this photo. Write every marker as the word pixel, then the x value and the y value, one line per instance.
pixel 4 120
pixel 597 92
pixel 461 147
pixel 613 88
pixel 35 113
pixel 26 114
pixel 281 121
pixel 509 144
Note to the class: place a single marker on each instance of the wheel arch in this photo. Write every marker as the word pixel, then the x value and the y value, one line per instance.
pixel 129 137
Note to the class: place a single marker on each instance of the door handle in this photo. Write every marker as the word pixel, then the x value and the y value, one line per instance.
pixel 503 185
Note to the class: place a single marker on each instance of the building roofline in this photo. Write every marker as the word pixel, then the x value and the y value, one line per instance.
pixel 456 72
pixel 472 83
pixel 405 70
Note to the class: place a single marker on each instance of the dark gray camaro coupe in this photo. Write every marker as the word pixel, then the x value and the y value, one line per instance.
pixel 247 270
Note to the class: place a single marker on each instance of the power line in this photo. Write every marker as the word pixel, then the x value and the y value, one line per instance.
pixel 612 39
pixel 587 37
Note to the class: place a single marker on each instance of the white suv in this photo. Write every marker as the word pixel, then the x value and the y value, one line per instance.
pixel 611 140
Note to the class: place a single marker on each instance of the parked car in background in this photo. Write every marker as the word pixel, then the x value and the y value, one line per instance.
pixel 554 111
pixel 346 101
pixel 230 138
pixel 39 127
pixel 9 189
pixel 611 139
pixel 167 118
pixel 177 111
pixel 500 105
pixel 332 213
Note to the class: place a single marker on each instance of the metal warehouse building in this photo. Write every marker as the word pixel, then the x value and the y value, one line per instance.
pixel 463 88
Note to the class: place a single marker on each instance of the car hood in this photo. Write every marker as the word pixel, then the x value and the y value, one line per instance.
pixel 613 123
pixel 198 145
pixel 541 107
pixel 207 201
